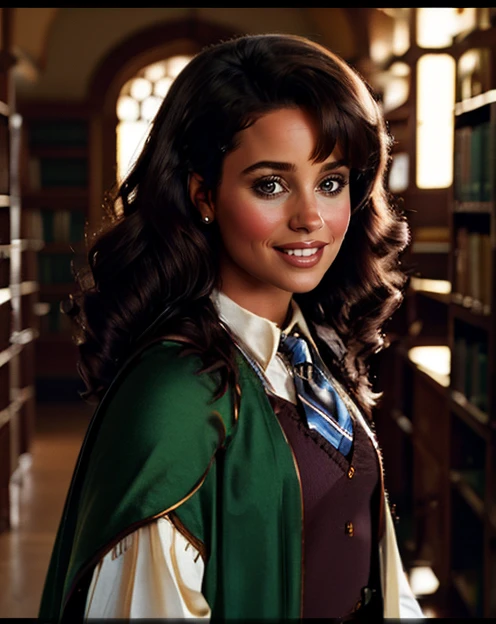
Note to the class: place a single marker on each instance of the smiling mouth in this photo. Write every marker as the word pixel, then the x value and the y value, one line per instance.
pixel 301 252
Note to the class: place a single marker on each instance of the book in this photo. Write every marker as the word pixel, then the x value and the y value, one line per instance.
pixel 474 266
pixel 68 172
pixel 461 261
pixel 58 132
pixel 459 357
pixel 77 226
pixel 486 271
pixel 476 157
pixel 47 217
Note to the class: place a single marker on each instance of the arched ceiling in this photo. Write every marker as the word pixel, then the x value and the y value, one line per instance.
pixel 65 44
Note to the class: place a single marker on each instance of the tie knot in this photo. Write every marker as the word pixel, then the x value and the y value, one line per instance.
pixel 295 347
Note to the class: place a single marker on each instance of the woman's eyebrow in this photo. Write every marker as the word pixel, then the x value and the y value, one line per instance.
pixel 283 166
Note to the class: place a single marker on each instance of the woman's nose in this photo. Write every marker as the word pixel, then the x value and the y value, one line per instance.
pixel 306 215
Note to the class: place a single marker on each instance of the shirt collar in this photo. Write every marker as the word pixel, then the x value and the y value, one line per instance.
pixel 258 335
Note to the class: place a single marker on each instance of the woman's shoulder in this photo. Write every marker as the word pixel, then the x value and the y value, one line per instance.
pixel 162 389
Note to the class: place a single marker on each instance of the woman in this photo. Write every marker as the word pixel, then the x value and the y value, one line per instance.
pixel 212 483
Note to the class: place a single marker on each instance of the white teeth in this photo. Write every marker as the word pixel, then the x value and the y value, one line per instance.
pixel 301 252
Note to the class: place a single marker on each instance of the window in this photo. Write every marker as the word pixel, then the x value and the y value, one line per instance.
pixel 138 102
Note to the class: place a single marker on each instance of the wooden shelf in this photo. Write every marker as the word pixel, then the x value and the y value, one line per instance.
pixel 24 288
pixel 467 315
pixel 5 295
pixel 25 336
pixel 470 414
pixel 473 207
pixel 464 591
pixel 476 102
pixel 472 499
pixel 441 297
pixel 9 353
pixel 24 244
pixel 403 422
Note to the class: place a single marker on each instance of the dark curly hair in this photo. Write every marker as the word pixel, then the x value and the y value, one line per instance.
pixel 152 265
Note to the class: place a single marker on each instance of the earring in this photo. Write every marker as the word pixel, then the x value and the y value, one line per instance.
pixel 206 219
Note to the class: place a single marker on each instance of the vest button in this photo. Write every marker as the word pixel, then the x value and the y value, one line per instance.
pixel 351 472
pixel 349 529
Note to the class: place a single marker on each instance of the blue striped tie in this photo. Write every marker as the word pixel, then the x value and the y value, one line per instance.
pixel 323 407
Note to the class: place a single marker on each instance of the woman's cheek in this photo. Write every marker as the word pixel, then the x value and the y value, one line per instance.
pixel 253 223
pixel 340 219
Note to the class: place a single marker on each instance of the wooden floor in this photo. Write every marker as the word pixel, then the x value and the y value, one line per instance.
pixel 25 550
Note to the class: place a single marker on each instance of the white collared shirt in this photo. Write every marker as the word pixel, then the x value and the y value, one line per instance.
pixel 260 339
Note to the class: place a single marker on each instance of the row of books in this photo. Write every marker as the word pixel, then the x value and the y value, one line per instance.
pixel 51 172
pixel 55 268
pixel 473 266
pixel 56 226
pixel 58 132
pixel 474 163
pixel 469 370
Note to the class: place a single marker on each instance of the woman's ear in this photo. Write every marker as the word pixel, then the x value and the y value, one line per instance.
pixel 201 198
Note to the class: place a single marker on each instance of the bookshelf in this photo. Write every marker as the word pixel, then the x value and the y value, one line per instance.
pixel 471 330
pixel 437 425
pixel 55 181
pixel 18 331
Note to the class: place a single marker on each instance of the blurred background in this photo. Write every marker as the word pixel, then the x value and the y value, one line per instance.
pixel 78 90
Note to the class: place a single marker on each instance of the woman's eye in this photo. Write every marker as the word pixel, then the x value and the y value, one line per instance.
pixel 268 186
pixel 332 185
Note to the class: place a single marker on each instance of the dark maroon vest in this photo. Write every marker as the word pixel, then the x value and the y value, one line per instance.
pixel 340 500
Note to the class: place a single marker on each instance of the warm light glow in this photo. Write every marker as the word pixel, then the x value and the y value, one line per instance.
pixel 131 136
pixel 399 69
pixel 435 27
pixel 423 581
pixel 396 92
pixel 140 88
pixel 468 61
pixel 379 51
pixel 435 360
pixel 430 285
pixel 127 108
pixel 176 63
pixel 466 19
pixel 155 72
pixel 401 36
pixel 162 86
pixel 398 174
pixel 150 107
pixel 435 120
pixel 137 106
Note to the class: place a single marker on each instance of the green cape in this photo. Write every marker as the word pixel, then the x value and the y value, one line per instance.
pixel 158 443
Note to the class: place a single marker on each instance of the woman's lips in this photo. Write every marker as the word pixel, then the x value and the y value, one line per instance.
pixel 288 253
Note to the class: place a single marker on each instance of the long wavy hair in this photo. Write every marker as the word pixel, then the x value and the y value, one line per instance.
pixel 151 267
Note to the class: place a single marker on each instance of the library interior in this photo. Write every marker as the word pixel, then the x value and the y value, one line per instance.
pixel 78 90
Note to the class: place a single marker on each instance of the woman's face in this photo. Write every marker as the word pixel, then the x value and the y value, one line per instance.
pixel 282 217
